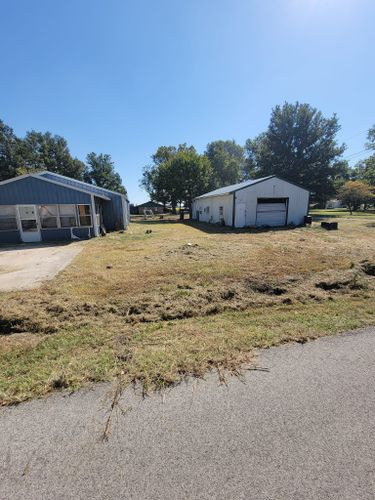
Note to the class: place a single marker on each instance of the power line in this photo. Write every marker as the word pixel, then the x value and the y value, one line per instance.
pixel 356 154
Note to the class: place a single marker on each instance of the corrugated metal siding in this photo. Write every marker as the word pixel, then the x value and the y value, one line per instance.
pixel 55 234
pixel 33 191
pixel 113 216
pixel 275 188
pixel 113 211
pixel 214 203
pixel 10 237
pixel 83 233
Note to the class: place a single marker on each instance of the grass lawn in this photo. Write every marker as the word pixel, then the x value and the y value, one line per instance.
pixel 341 212
pixel 183 299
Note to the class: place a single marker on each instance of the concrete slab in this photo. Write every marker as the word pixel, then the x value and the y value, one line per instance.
pixel 24 267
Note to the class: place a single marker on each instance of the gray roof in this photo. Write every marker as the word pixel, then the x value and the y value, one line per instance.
pixel 82 187
pixel 91 188
pixel 233 187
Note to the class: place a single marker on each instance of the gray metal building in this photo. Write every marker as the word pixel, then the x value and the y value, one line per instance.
pixel 46 207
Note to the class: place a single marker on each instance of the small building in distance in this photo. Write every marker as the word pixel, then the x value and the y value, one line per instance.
pixel 47 207
pixel 157 208
pixel 269 201
pixel 333 204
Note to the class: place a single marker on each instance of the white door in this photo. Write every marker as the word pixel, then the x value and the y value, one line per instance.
pixel 240 220
pixel 271 214
pixel 29 224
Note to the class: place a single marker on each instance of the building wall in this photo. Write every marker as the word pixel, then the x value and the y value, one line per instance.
pixel 10 237
pixel 115 212
pixel 213 203
pixel 274 188
pixel 33 191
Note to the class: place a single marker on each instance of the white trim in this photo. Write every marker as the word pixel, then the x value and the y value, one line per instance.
pixel 15 179
pixel 94 221
pixel 37 220
pixel 61 184
pixel 253 182
pixel 79 219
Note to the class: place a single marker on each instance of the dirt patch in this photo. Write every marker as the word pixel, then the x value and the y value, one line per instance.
pixel 368 267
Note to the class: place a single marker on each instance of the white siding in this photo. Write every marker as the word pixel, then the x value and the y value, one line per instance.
pixel 213 203
pixel 247 199
pixel 274 188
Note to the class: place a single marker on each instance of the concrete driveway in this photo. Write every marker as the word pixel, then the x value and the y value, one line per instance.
pixel 23 267
pixel 302 429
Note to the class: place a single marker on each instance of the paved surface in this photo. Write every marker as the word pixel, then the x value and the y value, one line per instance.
pixel 26 266
pixel 303 430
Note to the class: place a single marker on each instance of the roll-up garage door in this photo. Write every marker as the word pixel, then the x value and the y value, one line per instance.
pixel 271 211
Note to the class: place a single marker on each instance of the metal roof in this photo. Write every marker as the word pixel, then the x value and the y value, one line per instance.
pixel 73 187
pixel 233 187
pixel 85 185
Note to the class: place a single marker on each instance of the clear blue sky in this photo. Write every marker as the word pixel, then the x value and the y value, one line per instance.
pixel 123 77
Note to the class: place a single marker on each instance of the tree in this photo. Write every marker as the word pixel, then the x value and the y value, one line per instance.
pixel 9 145
pixel 227 160
pixel 43 151
pixel 300 146
pixel 100 171
pixel 176 175
pixel 189 176
pixel 365 170
pixel 370 144
pixel 353 194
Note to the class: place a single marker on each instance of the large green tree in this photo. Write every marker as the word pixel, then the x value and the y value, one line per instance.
pixel 39 151
pixel 227 160
pixel 100 171
pixel 176 175
pixel 299 145
pixel 44 151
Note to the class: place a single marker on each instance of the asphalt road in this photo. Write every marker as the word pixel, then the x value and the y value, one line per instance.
pixel 305 429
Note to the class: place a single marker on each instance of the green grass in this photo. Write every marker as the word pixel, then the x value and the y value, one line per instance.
pixel 150 308
pixel 162 353
pixel 341 212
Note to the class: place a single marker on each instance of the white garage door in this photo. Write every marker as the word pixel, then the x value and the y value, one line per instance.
pixel 271 212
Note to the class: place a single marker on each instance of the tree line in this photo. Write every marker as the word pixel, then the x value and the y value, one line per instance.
pixel 39 151
pixel 299 145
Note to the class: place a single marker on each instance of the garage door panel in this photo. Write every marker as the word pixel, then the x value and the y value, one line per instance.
pixel 271 207
pixel 271 218
pixel 271 214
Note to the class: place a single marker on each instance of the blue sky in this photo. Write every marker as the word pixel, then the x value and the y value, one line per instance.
pixel 123 77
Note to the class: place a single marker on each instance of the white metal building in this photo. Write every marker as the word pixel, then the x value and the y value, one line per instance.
pixel 269 201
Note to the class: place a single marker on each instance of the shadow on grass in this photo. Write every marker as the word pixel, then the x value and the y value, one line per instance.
pixel 6 247
pixel 218 229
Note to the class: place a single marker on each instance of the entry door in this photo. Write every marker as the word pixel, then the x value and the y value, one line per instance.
pixel 240 215
pixel 29 225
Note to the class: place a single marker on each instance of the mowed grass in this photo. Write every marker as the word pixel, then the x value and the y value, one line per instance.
pixel 342 212
pixel 184 299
